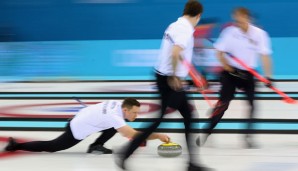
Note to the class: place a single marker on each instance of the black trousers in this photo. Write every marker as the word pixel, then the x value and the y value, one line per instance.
pixel 104 136
pixel 229 81
pixel 169 98
pixel 64 141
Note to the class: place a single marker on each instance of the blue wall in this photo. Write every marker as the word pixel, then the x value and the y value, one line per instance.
pixel 108 59
pixel 43 20
pixel 61 38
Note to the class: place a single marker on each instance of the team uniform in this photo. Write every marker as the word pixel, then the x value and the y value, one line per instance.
pixel 178 33
pixel 103 117
pixel 247 47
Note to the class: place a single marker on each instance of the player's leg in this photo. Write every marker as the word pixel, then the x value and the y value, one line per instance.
pixel 164 91
pixel 226 94
pixel 249 89
pixel 179 101
pixel 64 141
pixel 228 88
pixel 98 145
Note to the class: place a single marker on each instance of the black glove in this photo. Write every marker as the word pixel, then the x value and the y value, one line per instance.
pixel 269 84
pixel 190 82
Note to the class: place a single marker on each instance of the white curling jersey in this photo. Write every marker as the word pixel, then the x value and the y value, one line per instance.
pixel 96 118
pixel 245 46
pixel 179 33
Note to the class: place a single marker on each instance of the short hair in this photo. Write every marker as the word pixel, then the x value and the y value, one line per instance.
pixel 193 8
pixel 130 102
pixel 242 10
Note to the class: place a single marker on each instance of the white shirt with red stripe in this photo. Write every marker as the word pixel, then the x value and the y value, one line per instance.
pixel 96 118
pixel 246 46
pixel 178 33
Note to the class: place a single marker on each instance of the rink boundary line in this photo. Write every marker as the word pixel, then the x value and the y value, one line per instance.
pixel 225 127
pixel 290 132
pixel 149 96
pixel 152 119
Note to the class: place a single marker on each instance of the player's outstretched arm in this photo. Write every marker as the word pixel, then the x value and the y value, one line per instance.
pixel 129 132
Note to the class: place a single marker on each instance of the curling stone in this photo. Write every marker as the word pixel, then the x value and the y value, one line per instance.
pixel 169 150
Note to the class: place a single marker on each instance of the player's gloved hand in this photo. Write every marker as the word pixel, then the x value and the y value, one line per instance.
pixel 269 84
pixel 190 82
pixel 205 86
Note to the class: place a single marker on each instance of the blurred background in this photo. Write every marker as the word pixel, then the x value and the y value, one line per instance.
pixel 54 52
pixel 119 39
